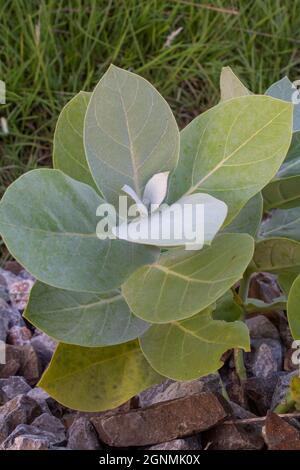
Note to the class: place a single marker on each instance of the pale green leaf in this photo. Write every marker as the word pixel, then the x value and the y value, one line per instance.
pixel 130 133
pixel 227 309
pixel 277 255
pixel 285 281
pixel 249 217
pixel 48 222
pixel 282 223
pixel 282 193
pixel 68 149
pixel 233 150
pixel 293 309
pixel 291 164
pixel 183 283
pixel 81 318
pixel 97 379
pixel 285 90
pixel 192 348
pixel 231 86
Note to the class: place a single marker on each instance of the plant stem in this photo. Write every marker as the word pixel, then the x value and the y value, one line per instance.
pixel 240 368
pixel 244 287
pixel 238 354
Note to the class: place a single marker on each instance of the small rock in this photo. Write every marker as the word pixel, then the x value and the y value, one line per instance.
pixel 49 423
pixel 259 391
pixel 19 293
pixel 30 366
pixel 266 357
pixel 21 409
pixel 280 435
pixel 264 286
pixel 7 278
pixel 11 314
pixel 13 266
pixel 162 422
pixel 261 327
pixel 3 328
pixel 232 437
pixel 44 347
pixel 31 432
pixel 190 443
pixel 42 398
pixel 169 390
pixel 19 335
pixel 82 436
pixel 12 362
pixel 282 388
pixel 284 330
pixel 12 387
pixel 28 443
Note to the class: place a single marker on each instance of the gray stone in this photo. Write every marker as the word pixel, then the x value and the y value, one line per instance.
pixel 3 328
pixel 28 442
pixel 261 327
pixel 11 314
pixel 42 398
pixel 11 387
pixel 190 443
pixel 30 432
pixel 232 437
pixel 170 390
pixel 20 410
pixel 282 388
pixel 162 422
pixel 259 391
pixel 44 347
pixel 82 436
pixel 266 357
pixel 52 425
pixel 7 278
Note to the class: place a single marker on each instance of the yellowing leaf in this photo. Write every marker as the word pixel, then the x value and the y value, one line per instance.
pixel 97 379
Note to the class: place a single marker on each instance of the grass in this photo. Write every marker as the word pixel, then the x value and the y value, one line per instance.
pixel 49 50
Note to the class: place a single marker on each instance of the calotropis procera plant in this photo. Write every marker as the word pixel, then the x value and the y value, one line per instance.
pixel 126 314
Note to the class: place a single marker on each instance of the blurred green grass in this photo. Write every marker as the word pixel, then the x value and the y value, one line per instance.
pixel 49 50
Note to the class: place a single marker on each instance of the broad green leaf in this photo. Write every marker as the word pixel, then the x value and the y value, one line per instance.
pixel 192 348
pixel 285 90
pixel 130 133
pixel 256 305
pixel 293 309
pixel 291 164
pixel 81 318
pixel 233 150
pixel 231 86
pixel 249 217
pixel 282 193
pixel 282 223
pixel 68 150
pixel 277 255
pixel 285 281
pixel 183 283
pixel 227 309
pixel 97 379
pixel 48 222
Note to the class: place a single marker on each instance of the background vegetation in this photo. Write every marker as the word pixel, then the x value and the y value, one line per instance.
pixel 49 50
